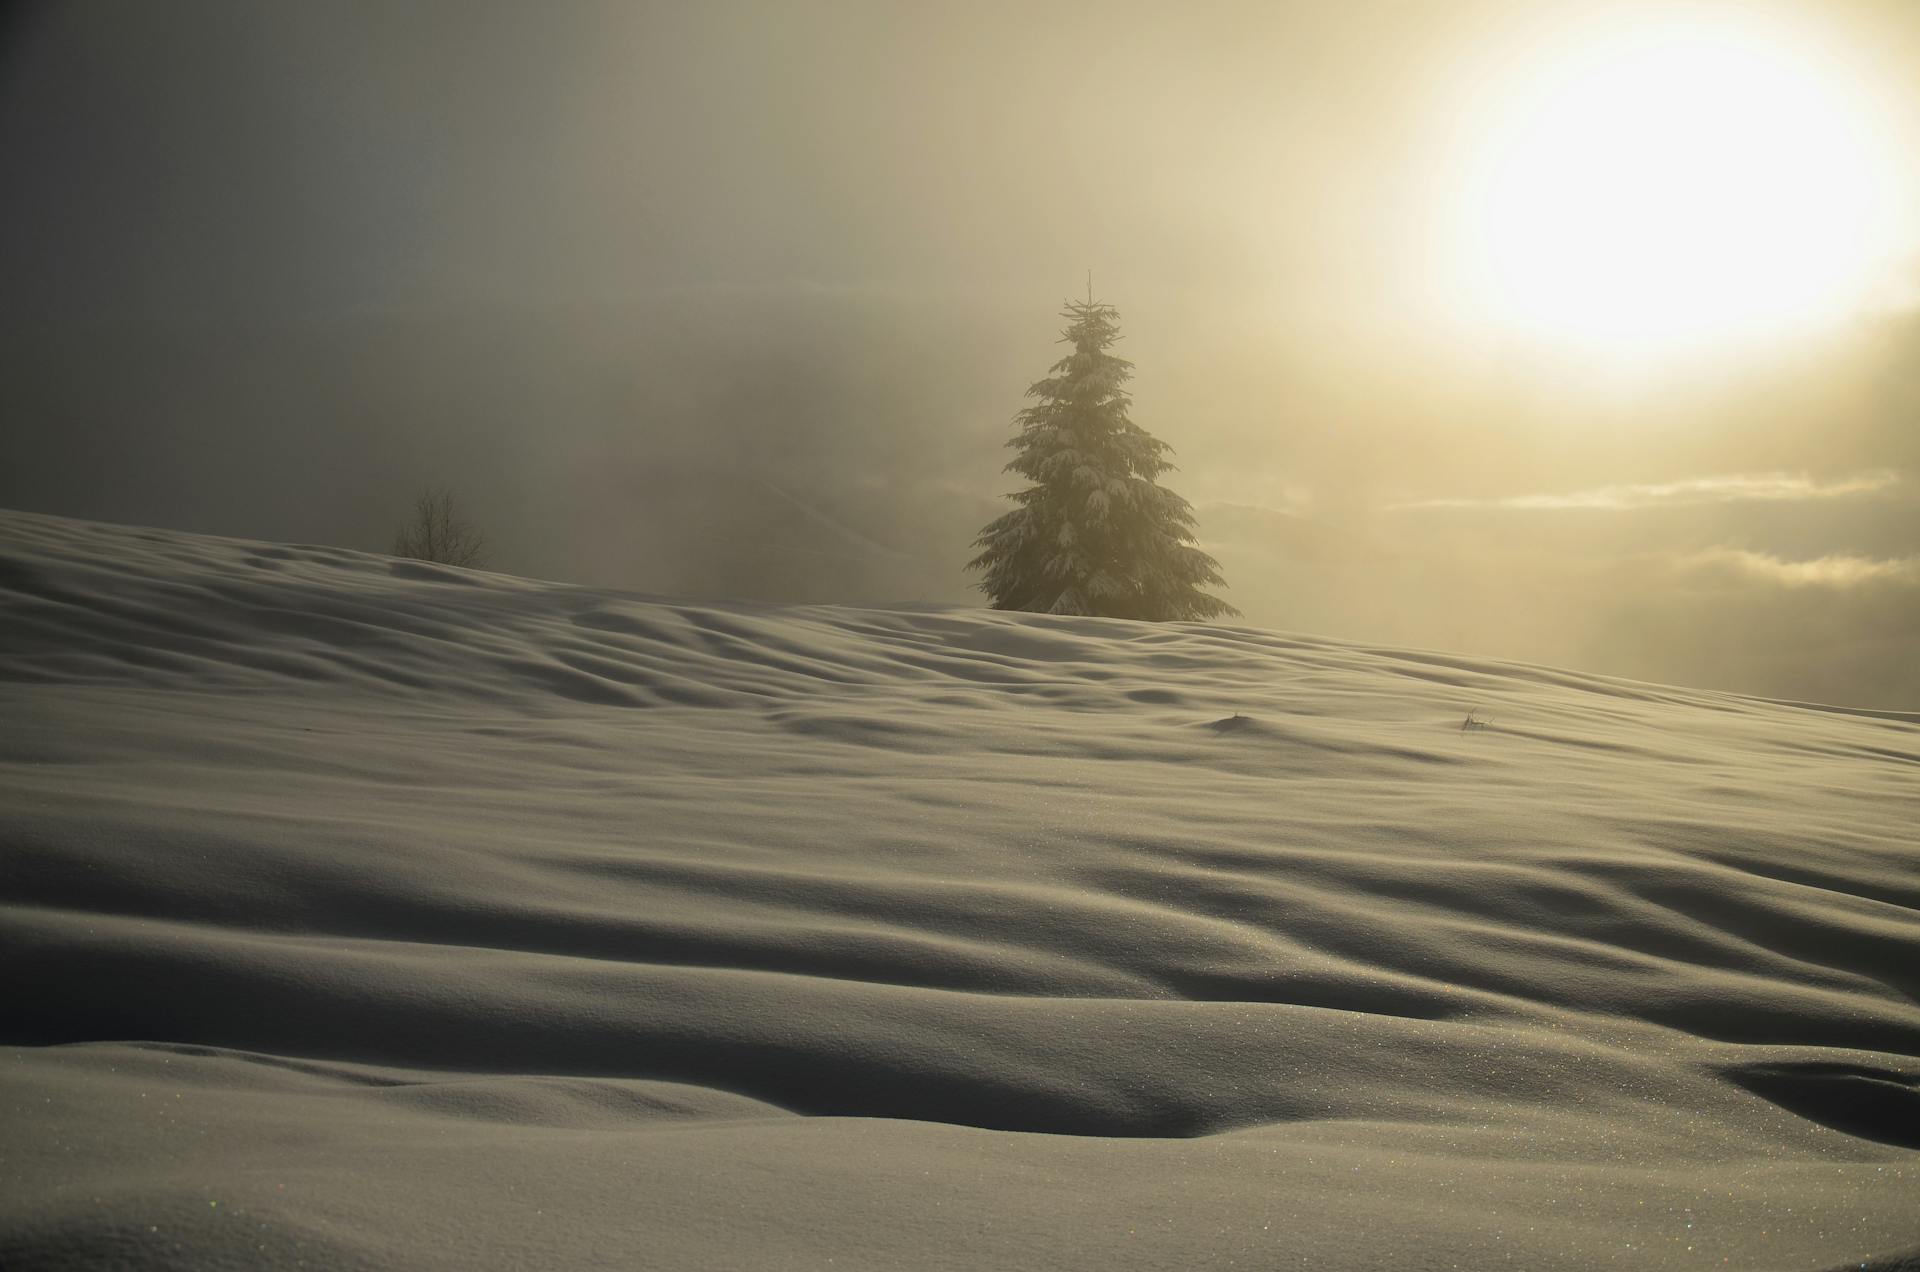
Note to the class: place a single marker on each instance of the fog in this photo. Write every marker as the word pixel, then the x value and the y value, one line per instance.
pixel 738 301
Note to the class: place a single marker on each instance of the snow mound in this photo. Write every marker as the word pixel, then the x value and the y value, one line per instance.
pixel 367 912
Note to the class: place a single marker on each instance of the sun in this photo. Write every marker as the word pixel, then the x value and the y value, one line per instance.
pixel 1660 183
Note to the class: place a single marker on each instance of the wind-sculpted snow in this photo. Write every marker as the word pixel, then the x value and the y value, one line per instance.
pixel 364 912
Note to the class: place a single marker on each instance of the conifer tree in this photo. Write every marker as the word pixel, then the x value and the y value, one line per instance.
pixel 1095 534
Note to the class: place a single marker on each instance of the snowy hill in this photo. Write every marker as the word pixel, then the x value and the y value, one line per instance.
pixel 359 912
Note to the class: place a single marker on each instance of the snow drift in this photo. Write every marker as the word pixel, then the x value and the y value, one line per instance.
pixel 360 912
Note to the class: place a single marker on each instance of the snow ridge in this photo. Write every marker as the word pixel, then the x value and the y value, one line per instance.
pixel 371 899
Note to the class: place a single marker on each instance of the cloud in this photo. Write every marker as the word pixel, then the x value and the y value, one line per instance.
pixel 1838 570
pixel 1727 488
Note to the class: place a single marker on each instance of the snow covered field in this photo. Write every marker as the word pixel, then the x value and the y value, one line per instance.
pixel 358 912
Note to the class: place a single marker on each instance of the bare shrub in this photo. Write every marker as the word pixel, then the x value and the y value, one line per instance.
pixel 438 532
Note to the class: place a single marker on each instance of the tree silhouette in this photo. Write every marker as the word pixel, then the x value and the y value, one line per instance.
pixel 1096 533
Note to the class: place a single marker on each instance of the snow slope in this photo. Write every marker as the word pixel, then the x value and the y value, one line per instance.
pixel 357 912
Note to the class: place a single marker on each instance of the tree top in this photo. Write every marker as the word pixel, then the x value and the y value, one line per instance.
pixel 1091 325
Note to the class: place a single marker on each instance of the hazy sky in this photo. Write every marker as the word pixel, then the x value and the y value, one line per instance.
pixel 739 300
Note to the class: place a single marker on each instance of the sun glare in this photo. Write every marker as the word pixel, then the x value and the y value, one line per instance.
pixel 1649 186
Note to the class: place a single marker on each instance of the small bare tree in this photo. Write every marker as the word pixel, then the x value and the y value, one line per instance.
pixel 437 532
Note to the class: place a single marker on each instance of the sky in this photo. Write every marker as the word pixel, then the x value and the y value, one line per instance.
pixel 1585 334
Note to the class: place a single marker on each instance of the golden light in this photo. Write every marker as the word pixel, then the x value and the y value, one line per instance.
pixel 1657 183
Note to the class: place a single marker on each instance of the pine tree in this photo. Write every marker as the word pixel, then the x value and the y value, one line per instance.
pixel 1095 534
